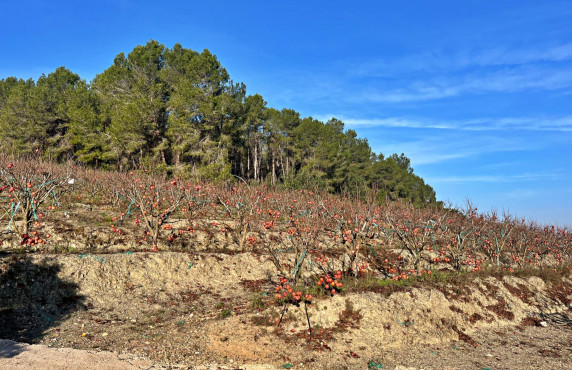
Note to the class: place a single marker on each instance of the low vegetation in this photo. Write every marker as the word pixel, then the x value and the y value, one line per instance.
pixel 321 245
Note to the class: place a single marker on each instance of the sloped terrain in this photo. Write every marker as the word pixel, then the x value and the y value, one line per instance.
pixel 214 308
pixel 193 274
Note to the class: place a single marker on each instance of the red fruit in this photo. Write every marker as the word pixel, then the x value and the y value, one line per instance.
pixel 10 165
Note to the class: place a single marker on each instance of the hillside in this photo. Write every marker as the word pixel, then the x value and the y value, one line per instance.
pixel 193 273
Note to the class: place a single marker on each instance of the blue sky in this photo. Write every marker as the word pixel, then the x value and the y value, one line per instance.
pixel 478 94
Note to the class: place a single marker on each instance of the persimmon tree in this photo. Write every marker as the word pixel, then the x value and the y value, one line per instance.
pixel 24 188
pixel 414 232
pixel 154 200
pixel 354 227
pixel 240 205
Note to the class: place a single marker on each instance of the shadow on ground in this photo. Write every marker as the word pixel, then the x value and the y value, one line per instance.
pixel 33 299
pixel 559 318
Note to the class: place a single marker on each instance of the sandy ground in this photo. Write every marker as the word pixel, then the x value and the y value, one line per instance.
pixel 22 356
pixel 214 310
pixel 532 348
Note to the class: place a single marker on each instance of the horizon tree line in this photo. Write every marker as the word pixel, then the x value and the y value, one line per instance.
pixel 178 111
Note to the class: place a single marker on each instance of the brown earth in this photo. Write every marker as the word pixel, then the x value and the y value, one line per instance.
pixel 209 310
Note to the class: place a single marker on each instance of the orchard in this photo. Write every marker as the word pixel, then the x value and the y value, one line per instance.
pixel 308 249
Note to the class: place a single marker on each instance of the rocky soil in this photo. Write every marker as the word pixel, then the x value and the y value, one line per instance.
pixel 215 310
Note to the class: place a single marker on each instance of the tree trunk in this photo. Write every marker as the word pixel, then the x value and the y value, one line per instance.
pixel 273 169
pixel 282 164
pixel 28 214
pixel 256 162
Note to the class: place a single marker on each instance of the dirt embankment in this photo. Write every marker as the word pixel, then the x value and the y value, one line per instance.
pixel 202 309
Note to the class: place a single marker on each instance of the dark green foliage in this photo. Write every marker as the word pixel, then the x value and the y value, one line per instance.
pixel 177 110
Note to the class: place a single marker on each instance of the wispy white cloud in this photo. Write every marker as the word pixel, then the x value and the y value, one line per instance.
pixel 535 193
pixel 504 81
pixel 504 56
pixel 495 178
pixel 431 141
pixel 432 149
pixel 429 76
pixel 558 124
pixel 388 122
pixel 501 165
pixel 523 193
pixel 440 60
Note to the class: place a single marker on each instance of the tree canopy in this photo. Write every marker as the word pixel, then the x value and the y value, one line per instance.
pixel 177 110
